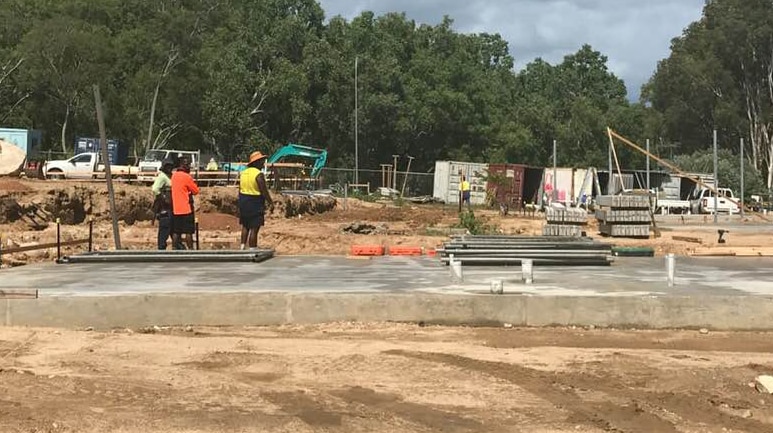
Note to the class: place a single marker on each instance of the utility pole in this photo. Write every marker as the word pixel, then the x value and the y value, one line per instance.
pixel 106 161
pixel 648 165
pixel 356 124
pixel 716 181
pixel 555 172
pixel 742 164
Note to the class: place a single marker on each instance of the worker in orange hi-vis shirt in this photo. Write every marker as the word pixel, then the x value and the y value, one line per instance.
pixel 183 190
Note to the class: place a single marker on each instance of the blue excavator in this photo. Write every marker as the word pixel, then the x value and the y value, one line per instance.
pixel 291 154
pixel 297 153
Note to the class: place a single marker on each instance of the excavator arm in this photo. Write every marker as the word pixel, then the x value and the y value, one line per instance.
pixel 297 151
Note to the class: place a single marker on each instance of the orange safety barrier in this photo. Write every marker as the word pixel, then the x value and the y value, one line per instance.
pixel 432 252
pixel 405 251
pixel 367 250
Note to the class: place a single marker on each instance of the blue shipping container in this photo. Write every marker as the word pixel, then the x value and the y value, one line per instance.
pixel 117 153
pixel 24 139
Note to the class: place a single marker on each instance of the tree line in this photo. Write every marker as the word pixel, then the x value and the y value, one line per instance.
pixel 226 76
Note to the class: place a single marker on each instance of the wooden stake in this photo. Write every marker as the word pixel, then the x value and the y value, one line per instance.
pixel 407 170
pixel 617 162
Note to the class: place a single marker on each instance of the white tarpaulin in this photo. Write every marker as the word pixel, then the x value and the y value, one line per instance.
pixel 11 158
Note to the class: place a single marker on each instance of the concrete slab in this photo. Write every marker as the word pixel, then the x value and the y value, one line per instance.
pixel 718 293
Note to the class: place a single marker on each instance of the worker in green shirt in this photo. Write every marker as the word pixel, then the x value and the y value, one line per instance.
pixel 162 203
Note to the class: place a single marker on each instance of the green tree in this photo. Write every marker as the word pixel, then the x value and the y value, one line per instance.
pixel 720 76
pixel 64 57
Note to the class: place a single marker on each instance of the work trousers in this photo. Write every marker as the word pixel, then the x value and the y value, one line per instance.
pixel 164 230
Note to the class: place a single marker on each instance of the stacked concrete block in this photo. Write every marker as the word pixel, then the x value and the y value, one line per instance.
pixel 564 222
pixel 624 215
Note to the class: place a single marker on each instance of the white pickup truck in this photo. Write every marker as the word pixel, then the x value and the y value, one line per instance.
pixel 84 166
pixel 151 163
pixel 703 201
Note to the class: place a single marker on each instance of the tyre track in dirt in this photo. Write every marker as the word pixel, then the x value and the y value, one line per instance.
pixel 626 411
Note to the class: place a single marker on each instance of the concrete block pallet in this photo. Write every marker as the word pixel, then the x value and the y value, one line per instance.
pixel 564 221
pixel 561 230
pixel 624 215
pixel 623 201
pixel 625 231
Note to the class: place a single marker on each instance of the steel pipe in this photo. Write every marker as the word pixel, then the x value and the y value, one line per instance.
pixel 567 247
pixel 606 261
pixel 176 252
pixel 168 256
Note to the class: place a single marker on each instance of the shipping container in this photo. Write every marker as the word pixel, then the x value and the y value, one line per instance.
pixel 117 152
pixel 25 139
pixel 506 182
pixel 514 184
pixel 448 176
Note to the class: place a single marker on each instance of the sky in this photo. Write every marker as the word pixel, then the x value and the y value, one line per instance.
pixel 633 34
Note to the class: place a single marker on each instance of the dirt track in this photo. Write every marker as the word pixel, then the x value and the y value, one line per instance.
pixel 382 377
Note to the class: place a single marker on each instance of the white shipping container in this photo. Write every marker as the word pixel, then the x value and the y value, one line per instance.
pixel 448 176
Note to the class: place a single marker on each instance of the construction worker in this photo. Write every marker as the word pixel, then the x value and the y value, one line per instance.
pixel 464 191
pixel 162 203
pixel 211 165
pixel 183 190
pixel 253 200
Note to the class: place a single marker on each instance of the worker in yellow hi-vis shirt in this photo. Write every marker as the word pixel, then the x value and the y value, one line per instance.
pixel 253 200
pixel 464 192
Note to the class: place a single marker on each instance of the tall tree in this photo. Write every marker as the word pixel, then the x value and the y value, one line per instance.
pixel 64 57
pixel 720 75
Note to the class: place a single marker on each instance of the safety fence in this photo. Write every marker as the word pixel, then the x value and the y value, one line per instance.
pixel 50 245
pixel 410 184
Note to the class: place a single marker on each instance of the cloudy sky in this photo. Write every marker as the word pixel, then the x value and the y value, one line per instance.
pixel 634 34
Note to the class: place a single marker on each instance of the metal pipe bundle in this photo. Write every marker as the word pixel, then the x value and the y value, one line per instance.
pixel 160 256
pixel 512 250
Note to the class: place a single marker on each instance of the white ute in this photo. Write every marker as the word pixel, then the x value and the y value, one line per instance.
pixel 83 166
pixel 703 201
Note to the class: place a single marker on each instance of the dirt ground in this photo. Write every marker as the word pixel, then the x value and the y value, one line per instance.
pixel 314 230
pixel 351 377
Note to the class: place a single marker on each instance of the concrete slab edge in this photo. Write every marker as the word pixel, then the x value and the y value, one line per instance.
pixel 714 312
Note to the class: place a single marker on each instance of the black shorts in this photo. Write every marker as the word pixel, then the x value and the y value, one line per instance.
pixel 252 211
pixel 183 224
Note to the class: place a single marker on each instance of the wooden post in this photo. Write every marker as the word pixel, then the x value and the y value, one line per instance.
pixel 91 234
pixel 407 170
pixel 106 160
pixel 58 241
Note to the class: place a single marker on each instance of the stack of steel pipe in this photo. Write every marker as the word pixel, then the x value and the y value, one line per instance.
pixel 160 256
pixel 512 250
